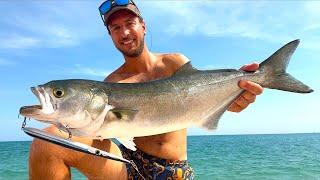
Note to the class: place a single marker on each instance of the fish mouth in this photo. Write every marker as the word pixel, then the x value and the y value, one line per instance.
pixel 39 111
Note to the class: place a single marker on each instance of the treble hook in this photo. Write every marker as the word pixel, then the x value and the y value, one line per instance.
pixel 70 135
pixel 24 123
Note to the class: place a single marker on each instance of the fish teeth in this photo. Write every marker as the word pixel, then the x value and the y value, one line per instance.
pixel 41 97
pixel 49 106
pixel 44 98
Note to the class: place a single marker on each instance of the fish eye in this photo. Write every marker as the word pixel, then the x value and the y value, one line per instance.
pixel 58 93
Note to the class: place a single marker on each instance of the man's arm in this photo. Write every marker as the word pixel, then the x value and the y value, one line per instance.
pixel 252 90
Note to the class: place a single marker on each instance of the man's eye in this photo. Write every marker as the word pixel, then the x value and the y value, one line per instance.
pixel 131 23
pixel 115 28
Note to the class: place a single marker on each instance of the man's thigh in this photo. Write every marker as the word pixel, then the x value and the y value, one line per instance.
pixel 50 160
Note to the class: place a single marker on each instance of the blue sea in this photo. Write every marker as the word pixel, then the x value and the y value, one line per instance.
pixel 289 156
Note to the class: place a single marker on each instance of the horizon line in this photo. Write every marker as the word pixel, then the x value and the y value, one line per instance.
pixel 249 134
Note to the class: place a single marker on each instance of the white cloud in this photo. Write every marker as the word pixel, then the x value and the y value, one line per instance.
pixel 312 27
pixel 207 18
pixel 275 22
pixel 63 24
pixel 49 24
pixel 80 70
pixel 312 8
pixel 4 62
pixel 16 41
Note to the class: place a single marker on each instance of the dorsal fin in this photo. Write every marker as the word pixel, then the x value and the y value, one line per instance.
pixel 187 68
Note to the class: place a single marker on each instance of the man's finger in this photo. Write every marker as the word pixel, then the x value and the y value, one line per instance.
pixel 235 108
pixel 252 87
pixel 250 97
pixel 242 102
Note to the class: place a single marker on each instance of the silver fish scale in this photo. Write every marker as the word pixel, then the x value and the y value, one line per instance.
pixel 180 101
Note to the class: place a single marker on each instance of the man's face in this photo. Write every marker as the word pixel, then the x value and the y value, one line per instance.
pixel 127 33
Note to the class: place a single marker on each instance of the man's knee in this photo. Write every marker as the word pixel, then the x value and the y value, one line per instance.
pixel 44 162
pixel 42 150
pixel 48 158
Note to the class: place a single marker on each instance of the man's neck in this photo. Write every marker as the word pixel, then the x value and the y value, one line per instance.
pixel 143 63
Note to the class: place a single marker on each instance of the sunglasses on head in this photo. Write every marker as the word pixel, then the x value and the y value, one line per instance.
pixel 109 4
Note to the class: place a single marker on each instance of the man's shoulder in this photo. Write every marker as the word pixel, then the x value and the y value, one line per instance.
pixel 174 60
pixel 115 76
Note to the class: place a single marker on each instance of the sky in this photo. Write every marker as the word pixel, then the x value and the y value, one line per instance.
pixel 42 41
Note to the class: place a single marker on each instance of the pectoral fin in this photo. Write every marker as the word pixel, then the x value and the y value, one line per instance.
pixel 124 114
pixel 128 143
pixel 211 122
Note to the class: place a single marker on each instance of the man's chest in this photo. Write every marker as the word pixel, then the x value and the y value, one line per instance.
pixel 142 77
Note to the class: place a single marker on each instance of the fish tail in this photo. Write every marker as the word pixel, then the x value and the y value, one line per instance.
pixel 275 71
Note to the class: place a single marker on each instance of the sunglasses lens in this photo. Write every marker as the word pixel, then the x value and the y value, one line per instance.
pixel 105 7
pixel 121 2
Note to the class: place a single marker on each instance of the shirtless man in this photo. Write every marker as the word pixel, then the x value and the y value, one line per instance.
pixel 158 156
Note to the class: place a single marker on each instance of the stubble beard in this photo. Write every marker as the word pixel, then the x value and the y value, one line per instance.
pixel 135 52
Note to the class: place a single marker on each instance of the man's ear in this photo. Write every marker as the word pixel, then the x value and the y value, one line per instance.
pixel 143 24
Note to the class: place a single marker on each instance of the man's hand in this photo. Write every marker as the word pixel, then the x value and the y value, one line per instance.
pixel 252 90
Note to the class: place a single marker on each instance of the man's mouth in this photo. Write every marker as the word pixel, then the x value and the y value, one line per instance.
pixel 127 41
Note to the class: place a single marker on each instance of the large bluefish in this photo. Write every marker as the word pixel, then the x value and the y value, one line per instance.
pixel 190 97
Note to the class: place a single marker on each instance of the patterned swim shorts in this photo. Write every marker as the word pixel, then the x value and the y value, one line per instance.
pixel 151 167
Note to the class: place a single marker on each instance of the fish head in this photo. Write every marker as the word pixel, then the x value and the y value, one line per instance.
pixel 72 103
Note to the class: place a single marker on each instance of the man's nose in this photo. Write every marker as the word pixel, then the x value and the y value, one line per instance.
pixel 125 32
